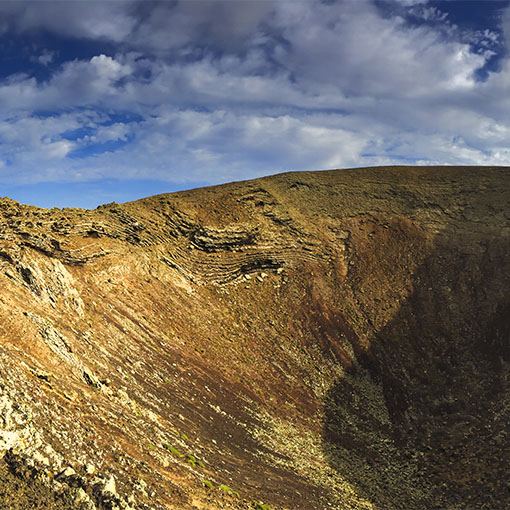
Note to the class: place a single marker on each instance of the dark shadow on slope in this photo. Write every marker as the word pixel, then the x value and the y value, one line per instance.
pixel 420 421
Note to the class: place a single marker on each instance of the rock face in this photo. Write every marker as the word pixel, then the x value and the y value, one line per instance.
pixel 305 341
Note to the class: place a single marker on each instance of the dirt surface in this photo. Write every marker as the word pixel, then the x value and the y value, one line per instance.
pixel 313 340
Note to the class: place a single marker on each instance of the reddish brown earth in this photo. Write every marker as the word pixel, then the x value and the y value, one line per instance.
pixel 314 340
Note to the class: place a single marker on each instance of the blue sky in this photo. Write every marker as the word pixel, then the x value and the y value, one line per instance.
pixel 113 100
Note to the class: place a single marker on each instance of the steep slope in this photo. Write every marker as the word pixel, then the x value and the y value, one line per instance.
pixel 307 341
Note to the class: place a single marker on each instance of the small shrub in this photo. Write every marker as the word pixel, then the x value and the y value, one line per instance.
pixel 227 490
pixel 207 484
pixel 194 461
pixel 173 450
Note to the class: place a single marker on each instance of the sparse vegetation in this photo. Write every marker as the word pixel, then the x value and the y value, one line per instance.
pixel 227 490
pixel 172 450
pixel 194 461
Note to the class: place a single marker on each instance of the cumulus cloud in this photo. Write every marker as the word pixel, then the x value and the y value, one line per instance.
pixel 352 46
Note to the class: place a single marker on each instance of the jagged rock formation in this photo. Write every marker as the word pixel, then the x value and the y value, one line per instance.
pixel 305 341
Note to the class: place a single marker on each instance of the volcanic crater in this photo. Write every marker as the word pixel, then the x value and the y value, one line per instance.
pixel 312 340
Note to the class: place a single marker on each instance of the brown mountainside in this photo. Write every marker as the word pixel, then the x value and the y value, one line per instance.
pixel 314 340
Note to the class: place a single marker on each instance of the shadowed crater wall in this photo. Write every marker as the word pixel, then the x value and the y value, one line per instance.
pixel 420 418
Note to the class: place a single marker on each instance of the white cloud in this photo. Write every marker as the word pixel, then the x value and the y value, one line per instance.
pixel 411 2
pixel 117 131
pixel 433 14
pixel 351 45
pixel 76 84
pixel 56 150
pixel 45 58
pixel 95 20
pixel 299 85
pixel 229 24
pixel 187 146
pixel 158 26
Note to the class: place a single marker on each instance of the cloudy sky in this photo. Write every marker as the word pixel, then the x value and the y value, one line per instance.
pixel 114 100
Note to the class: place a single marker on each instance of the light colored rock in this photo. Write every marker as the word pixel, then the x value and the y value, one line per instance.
pixel 109 487
pixel 123 395
pixel 39 457
pixel 90 469
pixel 68 471
pixel 81 496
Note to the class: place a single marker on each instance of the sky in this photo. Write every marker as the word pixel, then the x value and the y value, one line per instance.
pixel 115 100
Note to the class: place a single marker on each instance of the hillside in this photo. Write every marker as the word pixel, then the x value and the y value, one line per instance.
pixel 312 340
